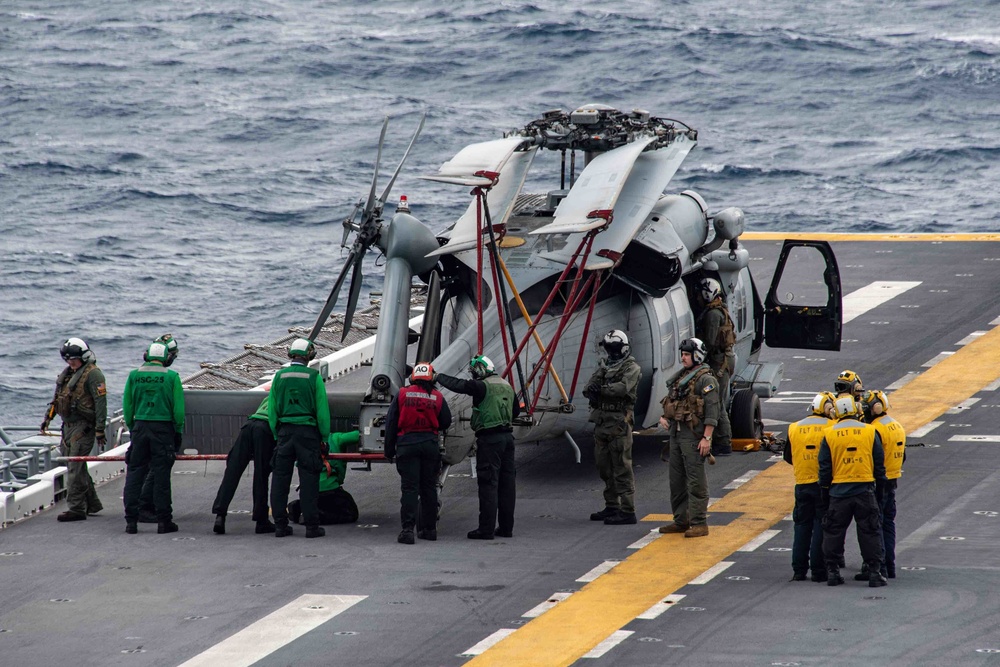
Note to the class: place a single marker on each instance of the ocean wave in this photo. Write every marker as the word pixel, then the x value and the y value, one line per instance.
pixel 935 157
pixel 751 171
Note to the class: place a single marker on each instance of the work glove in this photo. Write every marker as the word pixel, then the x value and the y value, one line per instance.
pixel 178 440
pixel 44 427
pixel 324 448
pixel 102 440
pixel 593 391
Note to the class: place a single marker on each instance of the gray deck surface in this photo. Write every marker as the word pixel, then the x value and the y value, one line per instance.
pixel 88 594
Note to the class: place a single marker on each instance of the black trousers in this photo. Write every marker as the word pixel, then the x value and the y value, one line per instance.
pixel 418 464
pixel 807 538
pixel 865 511
pixel 254 443
pixel 495 471
pixel 151 451
pixel 297 443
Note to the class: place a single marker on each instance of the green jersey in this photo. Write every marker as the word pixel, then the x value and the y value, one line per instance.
pixel 154 393
pixel 298 397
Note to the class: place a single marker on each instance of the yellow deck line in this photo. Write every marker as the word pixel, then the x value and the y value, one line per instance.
pixel 847 236
pixel 562 635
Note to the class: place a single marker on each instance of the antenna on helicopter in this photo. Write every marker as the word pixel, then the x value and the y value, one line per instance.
pixel 368 228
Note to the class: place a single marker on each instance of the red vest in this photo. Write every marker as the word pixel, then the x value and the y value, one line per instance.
pixel 418 410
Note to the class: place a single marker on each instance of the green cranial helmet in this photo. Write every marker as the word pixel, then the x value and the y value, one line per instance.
pixel 302 348
pixel 481 367
pixel 157 352
pixel 171 343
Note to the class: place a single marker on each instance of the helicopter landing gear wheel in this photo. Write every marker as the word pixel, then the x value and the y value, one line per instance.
pixel 745 415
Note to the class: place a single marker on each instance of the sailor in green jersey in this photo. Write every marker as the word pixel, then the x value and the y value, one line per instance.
pixel 254 443
pixel 147 511
pixel 154 413
pixel 299 415
pixel 336 505
pixel 493 409
pixel 81 400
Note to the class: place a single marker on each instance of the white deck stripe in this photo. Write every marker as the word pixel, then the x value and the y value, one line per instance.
pixel 974 438
pixel 606 566
pixel 540 609
pixel 859 302
pixel 710 573
pixel 902 382
pixel 490 641
pixel 788 517
pixel 712 501
pixel 992 386
pixel 281 627
pixel 962 407
pixel 996 322
pixel 740 481
pixel 616 638
pixel 924 430
pixel 759 540
pixel 651 537
pixel 657 609
pixel 971 337
pixel 941 356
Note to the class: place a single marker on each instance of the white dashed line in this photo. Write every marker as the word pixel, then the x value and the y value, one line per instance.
pixel 660 607
pixel 938 359
pixel 653 535
pixel 489 642
pixel 540 609
pixel 924 430
pixel 604 567
pixel 971 337
pixel 759 540
pixel 711 573
pixel 616 638
pixel 740 481
pixel 861 301
pixel 902 382
pixel 974 438
pixel 962 407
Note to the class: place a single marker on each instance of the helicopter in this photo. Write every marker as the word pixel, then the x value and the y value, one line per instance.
pixel 533 280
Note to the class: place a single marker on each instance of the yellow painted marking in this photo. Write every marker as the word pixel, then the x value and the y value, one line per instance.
pixel 658 517
pixel 837 236
pixel 565 633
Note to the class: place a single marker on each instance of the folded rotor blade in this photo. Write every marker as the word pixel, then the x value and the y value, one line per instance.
pixel 392 181
pixel 352 300
pixel 331 300
pixel 370 205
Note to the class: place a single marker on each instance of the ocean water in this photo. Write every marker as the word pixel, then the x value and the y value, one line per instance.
pixel 184 167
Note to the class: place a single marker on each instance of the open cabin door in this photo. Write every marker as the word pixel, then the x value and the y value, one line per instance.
pixel 803 305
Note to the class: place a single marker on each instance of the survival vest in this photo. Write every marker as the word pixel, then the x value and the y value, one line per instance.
pixel 683 405
pixel 851 443
pixel 418 410
pixel 893 443
pixel 497 408
pixel 804 437
pixel 71 394
pixel 726 337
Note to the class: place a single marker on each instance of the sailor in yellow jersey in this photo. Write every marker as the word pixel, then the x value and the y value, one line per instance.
pixel 893 435
pixel 802 451
pixel 852 473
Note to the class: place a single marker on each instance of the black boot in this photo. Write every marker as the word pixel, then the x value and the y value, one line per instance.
pixel 479 535
pixel 621 519
pixel 605 513
pixel 833 577
pixel 863 574
pixel 282 530
pixel 315 531
pixel 876 578
pixel 166 527
pixel 131 527
pixel 429 534
pixel 406 536
pixel 220 525
pixel 264 527
pixel 819 576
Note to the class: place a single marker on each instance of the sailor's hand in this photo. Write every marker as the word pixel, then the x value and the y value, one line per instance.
pixel 664 423
pixel 178 441
pixel 102 440
pixel 705 447
pixel 44 427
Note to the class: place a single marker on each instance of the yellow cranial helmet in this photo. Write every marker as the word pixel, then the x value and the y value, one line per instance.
pixel 824 404
pixel 848 382
pixel 876 402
